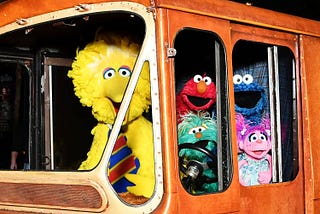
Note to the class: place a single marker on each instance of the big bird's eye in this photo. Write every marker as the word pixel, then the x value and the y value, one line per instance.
pixel 108 73
pixel 247 79
pixel 237 79
pixel 253 137
pixel 207 80
pixel 124 71
pixel 197 78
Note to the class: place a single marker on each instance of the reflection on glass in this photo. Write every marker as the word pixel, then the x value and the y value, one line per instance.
pixel 14 113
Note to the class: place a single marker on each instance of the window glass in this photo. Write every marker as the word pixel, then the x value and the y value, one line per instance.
pixel 265 104
pixel 66 115
pixel 14 115
pixel 202 112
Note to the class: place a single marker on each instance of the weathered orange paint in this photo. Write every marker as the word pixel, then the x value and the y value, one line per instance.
pixel 232 22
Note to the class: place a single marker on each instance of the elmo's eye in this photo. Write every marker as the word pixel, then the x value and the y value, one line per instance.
pixel 124 71
pixel 237 79
pixel 207 80
pixel 197 78
pixel 108 73
pixel 247 79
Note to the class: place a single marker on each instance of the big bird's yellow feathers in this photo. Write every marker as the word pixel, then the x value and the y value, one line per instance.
pixel 100 74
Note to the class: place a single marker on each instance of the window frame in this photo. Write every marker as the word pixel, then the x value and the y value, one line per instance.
pixel 275 38
pixel 147 54
pixel 224 171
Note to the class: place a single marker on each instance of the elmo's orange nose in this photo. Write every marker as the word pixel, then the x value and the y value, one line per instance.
pixel 201 87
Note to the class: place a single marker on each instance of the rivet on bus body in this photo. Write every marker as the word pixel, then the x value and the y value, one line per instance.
pixel 22 21
pixel 83 7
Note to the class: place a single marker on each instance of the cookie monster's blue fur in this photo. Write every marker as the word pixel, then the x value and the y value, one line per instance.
pixel 253 114
pixel 254 92
pixel 194 128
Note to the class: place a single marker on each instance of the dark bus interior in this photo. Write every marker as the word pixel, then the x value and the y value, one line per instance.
pixel 51 46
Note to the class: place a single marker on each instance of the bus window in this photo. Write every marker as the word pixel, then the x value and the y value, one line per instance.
pixel 202 112
pixel 97 120
pixel 66 122
pixel 14 113
pixel 265 104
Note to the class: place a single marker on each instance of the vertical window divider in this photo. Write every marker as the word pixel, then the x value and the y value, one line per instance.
pixel 273 67
pixel 218 91
pixel 51 118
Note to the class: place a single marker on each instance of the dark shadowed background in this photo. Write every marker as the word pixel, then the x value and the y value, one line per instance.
pixel 303 8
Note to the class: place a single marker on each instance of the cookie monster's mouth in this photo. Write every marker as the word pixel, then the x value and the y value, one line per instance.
pixel 198 101
pixel 247 99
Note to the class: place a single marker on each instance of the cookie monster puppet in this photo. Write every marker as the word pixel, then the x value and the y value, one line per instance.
pixel 197 135
pixel 100 74
pixel 198 93
pixel 250 97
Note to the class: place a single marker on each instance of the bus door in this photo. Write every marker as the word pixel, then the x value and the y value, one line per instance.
pixel 267 106
pixel 310 64
pixel 197 51
pixel 63 131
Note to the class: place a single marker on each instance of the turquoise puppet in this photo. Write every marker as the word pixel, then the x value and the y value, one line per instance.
pixel 200 130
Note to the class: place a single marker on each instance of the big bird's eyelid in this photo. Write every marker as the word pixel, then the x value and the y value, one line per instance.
pixel 125 67
pixel 108 73
pixel 124 71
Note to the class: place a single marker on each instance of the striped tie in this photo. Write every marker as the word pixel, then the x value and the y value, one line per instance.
pixel 122 162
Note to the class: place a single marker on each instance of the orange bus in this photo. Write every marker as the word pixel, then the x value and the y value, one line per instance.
pixel 56 148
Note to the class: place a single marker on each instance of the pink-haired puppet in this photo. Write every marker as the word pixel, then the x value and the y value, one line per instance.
pixel 254 143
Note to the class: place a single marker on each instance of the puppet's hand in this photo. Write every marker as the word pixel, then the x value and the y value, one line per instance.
pixel 144 186
pixel 242 163
pixel 243 179
pixel 264 177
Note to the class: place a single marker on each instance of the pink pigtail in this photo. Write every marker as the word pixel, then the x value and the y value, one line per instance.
pixel 265 122
pixel 241 128
pixel 241 125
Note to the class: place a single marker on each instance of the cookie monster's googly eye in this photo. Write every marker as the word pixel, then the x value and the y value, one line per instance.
pixel 197 78
pixel 247 79
pixel 207 80
pixel 124 71
pixel 108 73
pixel 237 79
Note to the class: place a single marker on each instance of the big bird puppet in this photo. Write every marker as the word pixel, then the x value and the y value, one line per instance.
pixel 100 74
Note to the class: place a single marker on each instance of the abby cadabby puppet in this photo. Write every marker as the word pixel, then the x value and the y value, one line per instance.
pixel 255 164
pixel 197 135
pixel 197 94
